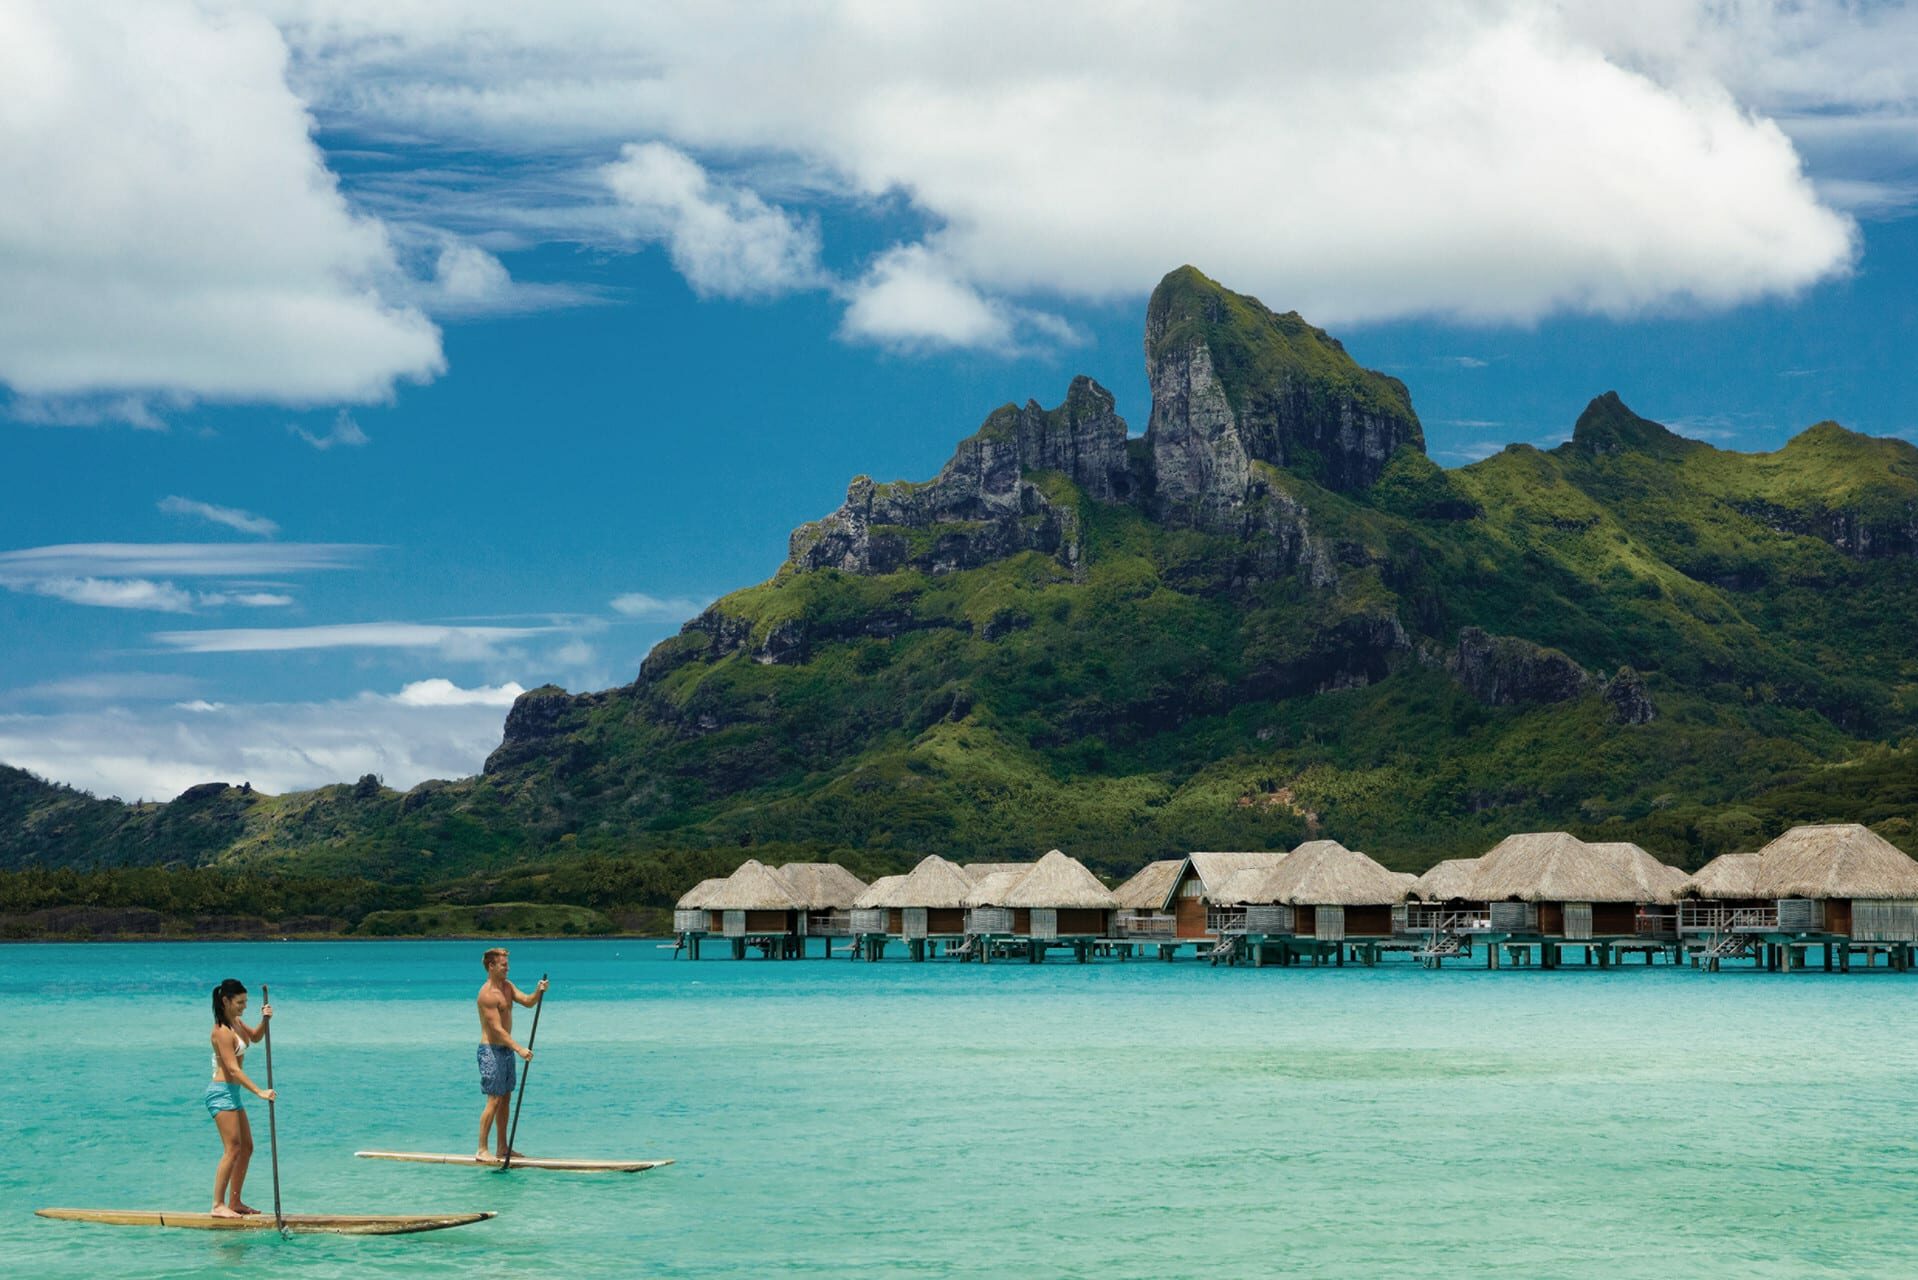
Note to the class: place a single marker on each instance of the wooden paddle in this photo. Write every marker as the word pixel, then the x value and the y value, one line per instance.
pixel 520 1101
pixel 272 1122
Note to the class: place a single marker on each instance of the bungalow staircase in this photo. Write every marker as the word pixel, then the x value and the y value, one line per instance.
pixel 1445 940
pixel 1225 950
pixel 1722 944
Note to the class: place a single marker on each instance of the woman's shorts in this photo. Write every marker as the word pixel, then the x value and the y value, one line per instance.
pixel 223 1097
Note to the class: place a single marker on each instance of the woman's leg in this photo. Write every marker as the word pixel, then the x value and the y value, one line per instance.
pixel 241 1160
pixel 229 1124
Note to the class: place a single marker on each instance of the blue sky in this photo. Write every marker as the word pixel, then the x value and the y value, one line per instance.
pixel 361 365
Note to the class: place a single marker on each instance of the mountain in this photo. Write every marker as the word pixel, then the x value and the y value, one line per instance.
pixel 1269 616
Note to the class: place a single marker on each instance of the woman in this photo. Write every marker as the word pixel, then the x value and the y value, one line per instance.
pixel 231 1036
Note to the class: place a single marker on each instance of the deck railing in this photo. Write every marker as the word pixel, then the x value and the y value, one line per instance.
pixel 1656 924
pixel 1140 924
pixel 1695 916
pixel 1224 920
pixel 828 924
pixel 1420 918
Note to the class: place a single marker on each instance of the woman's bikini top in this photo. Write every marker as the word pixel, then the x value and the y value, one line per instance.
pixel 239 1053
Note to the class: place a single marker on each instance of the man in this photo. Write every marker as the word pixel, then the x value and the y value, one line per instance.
pixel 497 1047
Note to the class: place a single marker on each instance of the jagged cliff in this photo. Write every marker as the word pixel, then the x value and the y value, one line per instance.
pixel 1269 614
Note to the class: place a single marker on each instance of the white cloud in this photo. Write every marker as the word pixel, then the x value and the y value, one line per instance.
pixel 187 559
pixel 441 692
pixel 158 751
pixel 451 641
pixel 110 686
pixel 1480 159
pixel 111 593
pixel 170 226
pixel 345 433
pixel 637 604
pixel 231 517
pixel 86 411
pixel 725 240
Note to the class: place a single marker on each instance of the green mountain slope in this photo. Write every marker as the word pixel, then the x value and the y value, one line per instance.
pixel 1271 616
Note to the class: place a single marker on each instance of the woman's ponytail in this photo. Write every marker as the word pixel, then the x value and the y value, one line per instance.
pixel 221 994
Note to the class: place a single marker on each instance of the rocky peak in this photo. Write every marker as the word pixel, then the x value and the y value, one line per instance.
pixel 1234 383
pixel 981 506
pixel 1608 427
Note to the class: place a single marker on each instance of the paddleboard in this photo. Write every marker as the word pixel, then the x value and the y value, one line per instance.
pixel 346 1224
pixel 519 1162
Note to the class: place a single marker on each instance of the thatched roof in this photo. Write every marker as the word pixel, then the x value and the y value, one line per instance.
pixel 990 890
pixel 1553 866
pixel 754 887
pixel 822 885
pixel 1245 887
pixel 1847 861
pixel 694 898
pixel 1058 880
pixel 1326 873
pixel 1151 887
pixel 1728 876
pixel 1658 882
pixel 935 882
pixel 1214 869
pixel 978 871
pixel 879 892
pixel 1448 881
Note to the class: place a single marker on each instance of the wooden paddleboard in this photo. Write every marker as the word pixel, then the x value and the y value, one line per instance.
pixel 345 1224
pixel 519 1162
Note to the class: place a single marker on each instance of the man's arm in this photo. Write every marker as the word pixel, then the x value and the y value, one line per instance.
pixel 528 1001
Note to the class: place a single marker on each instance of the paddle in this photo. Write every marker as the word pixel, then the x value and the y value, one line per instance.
pixel 520 1102
pixel 272 1122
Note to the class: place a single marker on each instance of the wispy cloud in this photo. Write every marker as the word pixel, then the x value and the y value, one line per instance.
pixel 637 604
pixel 111 593
pixel 231 517
pixel 86 411
pixel 454 641
pixel 1461 362
pixel 181 559
pixel 344 434
pixel 115 686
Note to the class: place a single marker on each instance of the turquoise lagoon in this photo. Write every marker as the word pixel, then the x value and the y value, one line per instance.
pixel 897 1119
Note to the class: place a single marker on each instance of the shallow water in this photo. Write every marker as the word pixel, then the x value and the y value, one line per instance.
pixel 942 1119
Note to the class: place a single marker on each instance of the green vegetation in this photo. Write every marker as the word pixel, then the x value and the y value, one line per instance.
pixel 1156 690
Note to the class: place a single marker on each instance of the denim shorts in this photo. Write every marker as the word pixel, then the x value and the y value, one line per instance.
pixel 223 1097
pixel 498 1069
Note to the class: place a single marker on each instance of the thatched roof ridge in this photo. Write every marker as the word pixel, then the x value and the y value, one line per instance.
pixel 694 899
pixel 990 890
pixel 1658 882
pixel 935 882
pixel 978 871
pixel 753 887
pixel 1060 880
pixel 1447 881
pixel 1326 873
pixel 822 885
pixel 878 892
pixel 1553 866
pixel 1245 887
pixel 1840 861
pixel 1728 876
pixel 1150 887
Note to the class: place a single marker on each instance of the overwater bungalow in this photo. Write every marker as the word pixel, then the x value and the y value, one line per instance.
pixel 753 906
pixel 988 918
pixel 1064 904
pixel 1842 888
pixel 924 907
pixel 872 921
pixel 1549 888
pixel 825 892
pixel 1315 900
pixel 1142 913
pixel 1197 900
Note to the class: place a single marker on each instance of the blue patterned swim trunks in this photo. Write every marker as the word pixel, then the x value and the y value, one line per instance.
pixel 498 1065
